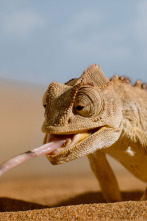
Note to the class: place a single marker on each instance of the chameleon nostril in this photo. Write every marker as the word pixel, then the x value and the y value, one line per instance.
pixel 69 120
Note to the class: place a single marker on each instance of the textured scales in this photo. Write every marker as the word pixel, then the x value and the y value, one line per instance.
pixel 107 116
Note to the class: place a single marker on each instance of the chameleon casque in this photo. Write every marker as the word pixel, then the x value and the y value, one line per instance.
pixel 94 116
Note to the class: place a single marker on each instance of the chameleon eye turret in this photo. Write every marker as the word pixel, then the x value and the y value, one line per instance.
pixel 88 102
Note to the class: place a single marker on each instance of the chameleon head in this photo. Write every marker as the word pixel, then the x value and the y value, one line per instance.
pixel 84 112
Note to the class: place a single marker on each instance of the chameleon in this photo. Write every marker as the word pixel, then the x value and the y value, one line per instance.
pixel 95 116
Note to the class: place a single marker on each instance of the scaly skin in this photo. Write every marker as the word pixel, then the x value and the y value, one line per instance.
pixel 112 112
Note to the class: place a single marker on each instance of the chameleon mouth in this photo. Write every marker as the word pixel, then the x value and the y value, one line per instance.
pixel 73 146
pixel 67 141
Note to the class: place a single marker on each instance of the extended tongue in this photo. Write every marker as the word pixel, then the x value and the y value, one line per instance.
pixel 51 148
pixel 42 150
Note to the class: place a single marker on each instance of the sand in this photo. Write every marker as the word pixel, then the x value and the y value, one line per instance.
pixel 115 211
pixel 66 198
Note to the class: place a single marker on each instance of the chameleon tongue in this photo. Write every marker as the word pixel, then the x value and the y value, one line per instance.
pixel 42 150
pixel 54 145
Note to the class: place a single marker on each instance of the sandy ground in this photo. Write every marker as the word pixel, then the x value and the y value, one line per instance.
pixel 68 198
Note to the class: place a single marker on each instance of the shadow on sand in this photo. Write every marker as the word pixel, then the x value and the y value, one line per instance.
pixel 14 205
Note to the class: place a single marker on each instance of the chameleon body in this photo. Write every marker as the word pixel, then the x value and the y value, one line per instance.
pixel 97 116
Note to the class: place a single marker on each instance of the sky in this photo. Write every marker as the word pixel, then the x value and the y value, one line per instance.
pixel 54 40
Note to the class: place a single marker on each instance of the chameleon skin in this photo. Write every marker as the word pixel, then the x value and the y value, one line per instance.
pixel 112 111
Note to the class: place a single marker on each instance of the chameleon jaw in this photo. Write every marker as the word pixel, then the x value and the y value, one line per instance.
pixel 69 141
pixel 75 146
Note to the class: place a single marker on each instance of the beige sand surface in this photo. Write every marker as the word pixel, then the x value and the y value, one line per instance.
pixel 67 198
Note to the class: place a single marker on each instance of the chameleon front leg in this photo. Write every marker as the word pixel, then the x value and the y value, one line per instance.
pixel 102 170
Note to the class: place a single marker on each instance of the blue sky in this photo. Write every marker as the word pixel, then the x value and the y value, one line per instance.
pixel 42 41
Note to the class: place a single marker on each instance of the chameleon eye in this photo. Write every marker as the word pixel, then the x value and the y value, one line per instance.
pixel 78 108
pixel 44 100
pixel 82 105
pixel 87 102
